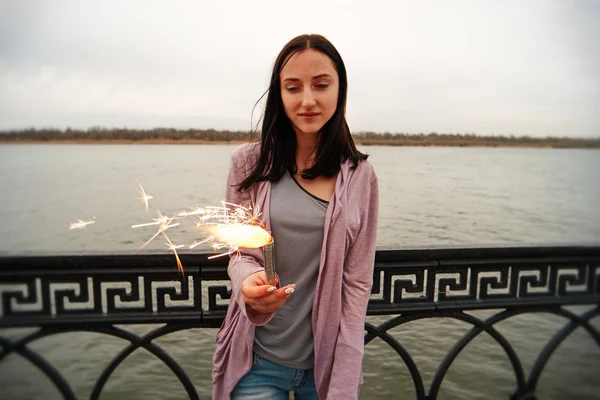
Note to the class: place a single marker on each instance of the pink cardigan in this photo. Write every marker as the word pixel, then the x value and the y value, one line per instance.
pixel 343 285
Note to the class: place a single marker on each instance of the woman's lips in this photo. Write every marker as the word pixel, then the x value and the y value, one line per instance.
pixel 309 116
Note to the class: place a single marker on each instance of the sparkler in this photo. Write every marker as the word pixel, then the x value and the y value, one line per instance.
pixel 268 250
pixel 240 235
pixel 242 228
pixel 230 225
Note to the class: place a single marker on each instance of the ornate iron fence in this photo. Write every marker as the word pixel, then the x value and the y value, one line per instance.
pixel 94 293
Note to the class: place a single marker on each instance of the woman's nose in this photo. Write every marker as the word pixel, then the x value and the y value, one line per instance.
pixel 308 100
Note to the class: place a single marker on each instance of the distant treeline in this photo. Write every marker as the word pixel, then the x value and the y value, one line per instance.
pixel 117 134
pixel 172 135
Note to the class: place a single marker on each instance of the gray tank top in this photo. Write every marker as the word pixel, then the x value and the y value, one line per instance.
pixel 297 222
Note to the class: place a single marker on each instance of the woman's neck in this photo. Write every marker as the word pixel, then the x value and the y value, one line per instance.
pixel 305 150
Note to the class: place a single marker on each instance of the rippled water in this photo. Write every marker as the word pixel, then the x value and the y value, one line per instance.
pixel 429 197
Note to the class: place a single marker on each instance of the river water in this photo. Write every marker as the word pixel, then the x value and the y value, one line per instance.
pixel 429 197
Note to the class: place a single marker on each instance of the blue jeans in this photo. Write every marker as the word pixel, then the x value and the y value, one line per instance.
pixel 269 381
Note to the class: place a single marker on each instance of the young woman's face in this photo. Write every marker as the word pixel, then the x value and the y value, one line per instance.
pixel 309 90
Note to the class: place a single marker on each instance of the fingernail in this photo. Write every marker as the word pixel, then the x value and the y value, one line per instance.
pixel 271 289
pixel 289 290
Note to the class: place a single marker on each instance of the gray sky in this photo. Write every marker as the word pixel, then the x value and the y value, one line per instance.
pixel 522 67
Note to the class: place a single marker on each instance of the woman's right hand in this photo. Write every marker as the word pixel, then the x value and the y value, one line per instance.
pixel 260 295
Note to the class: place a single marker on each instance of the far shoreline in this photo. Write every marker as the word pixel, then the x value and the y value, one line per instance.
pixel 470 142
pixel 122 141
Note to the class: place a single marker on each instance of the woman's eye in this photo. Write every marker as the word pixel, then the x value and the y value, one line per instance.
pixel 322 86
pixel 292 89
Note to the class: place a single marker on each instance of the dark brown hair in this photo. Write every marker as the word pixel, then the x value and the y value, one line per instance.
pixel 278 140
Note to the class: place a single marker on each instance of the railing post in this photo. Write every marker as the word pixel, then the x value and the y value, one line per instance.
pixel 524 396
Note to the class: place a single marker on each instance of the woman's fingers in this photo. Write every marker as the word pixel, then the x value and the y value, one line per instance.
pixel 272 300
pixel 255 292
pixel 263 297
pixel 270 297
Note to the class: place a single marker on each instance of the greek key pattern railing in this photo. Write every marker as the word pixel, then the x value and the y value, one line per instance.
pixel 65 293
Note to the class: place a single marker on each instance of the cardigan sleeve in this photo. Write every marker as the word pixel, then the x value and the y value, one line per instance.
pixel 357 281
pixel 248 261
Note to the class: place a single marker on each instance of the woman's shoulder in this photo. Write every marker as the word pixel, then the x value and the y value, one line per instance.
pixel 245 155
pixel 364 170
pixel 246 150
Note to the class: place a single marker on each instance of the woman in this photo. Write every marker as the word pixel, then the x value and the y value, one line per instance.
pixel 319 198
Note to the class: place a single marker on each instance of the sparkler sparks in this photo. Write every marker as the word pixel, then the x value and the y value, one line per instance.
pixel 162 229
pixel 145 197
pixel 81 224
pixel 195 244
pixel 174 248
pixel 195 211
pixel 161 220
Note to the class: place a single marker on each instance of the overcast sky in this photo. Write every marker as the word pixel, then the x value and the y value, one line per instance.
pixel 522 67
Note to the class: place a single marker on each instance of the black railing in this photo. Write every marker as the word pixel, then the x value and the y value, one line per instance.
pixel 94 293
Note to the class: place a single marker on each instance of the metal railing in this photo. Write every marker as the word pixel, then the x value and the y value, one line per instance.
pixel 94 293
